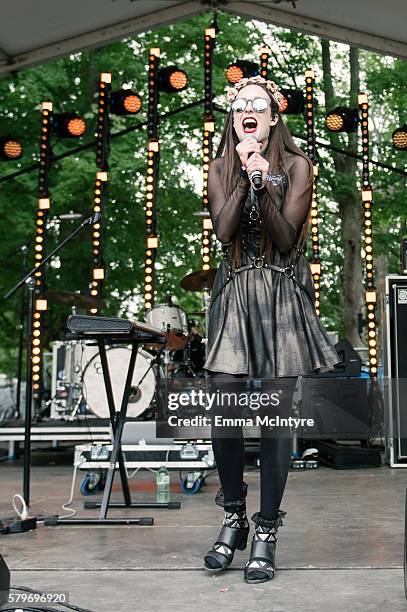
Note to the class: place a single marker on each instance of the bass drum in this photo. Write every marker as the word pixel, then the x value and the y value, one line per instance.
pixel 143 383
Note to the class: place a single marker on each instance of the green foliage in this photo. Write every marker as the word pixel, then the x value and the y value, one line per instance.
pixel 71 83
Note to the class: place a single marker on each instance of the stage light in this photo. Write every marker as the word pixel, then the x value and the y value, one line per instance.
pixel 293 103
pixel 10 148
pixel 41 304
pixel 68 125
pixel 43 204
pixel 152 242
pixel 241 69
pixel 98 273
pixel 399 138
pixel 172 79
pixel 342 119
pixel 154 146
pixel 124 102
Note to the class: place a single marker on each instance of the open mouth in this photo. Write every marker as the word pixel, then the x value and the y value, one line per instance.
pixel 249 125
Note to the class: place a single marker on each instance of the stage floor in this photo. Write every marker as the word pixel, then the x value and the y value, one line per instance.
pixel 340 549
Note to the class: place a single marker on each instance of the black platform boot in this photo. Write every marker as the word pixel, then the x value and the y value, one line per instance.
pixel 261 565
pixel 233 534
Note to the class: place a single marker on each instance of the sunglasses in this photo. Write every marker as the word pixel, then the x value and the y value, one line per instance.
pixel 259 105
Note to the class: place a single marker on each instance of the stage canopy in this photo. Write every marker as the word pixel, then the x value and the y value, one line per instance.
pixel 35 32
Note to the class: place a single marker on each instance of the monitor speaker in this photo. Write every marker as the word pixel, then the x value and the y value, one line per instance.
pixel 351 363
pixel 394 342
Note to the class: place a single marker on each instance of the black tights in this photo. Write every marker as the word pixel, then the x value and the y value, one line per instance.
pixel 275 454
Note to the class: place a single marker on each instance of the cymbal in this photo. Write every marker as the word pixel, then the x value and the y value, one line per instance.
pixel 75 299
pixel 197 281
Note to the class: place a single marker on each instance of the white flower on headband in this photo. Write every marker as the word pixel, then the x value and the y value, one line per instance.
pixel 270 86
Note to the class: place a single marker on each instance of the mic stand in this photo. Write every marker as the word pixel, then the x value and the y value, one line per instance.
pixel 29 280
pixel 17 414
pixel 23 249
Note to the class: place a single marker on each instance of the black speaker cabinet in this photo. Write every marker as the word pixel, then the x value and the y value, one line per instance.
pixel 4 581
pixel 394 342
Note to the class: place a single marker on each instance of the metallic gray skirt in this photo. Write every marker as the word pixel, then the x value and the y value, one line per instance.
pixel 264 325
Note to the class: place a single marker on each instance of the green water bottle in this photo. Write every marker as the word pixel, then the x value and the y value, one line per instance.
pixel 163 485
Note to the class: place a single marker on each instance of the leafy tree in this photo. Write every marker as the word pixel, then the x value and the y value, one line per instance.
pixel 71 83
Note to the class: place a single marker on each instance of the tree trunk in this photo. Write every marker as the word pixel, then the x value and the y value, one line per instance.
pixel 345 192
pixel 92 78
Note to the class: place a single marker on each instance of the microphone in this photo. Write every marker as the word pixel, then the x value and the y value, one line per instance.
pixel 95 218
pixel 255 177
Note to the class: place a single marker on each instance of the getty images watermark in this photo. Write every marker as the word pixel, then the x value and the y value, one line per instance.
pixel 310 406
pixel 216 403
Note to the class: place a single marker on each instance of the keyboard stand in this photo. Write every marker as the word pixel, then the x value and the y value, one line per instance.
pixel 117 419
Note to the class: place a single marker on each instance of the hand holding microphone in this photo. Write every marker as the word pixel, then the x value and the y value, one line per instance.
pixel 255 165
pixel 247 147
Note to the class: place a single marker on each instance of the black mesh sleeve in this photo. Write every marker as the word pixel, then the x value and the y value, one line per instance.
pixel 225 212
pixel 284 226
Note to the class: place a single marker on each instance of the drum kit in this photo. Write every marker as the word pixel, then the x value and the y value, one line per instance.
pixel 77 389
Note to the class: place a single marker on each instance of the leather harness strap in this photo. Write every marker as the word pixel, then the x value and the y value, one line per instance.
pixel 288 271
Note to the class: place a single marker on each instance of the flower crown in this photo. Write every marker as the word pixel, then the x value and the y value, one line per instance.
pixel 271 87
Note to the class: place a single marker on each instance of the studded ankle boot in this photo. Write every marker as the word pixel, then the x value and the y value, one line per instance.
pixel 234 534
pixel 261 565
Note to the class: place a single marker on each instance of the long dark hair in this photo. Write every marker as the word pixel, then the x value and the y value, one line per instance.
pixel 280 141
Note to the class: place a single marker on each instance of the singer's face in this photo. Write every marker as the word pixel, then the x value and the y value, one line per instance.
pixel 249 122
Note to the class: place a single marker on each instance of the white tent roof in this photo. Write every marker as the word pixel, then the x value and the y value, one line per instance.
pixel 33 32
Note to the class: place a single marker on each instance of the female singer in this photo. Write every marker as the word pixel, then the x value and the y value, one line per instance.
pixel 262 318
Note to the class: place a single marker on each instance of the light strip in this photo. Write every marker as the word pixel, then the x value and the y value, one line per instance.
pixel 264 61
pixel 207 147
pixel 313 219
pixel 367 202
pixel 153 158
pixel 101 181
pixel 44 204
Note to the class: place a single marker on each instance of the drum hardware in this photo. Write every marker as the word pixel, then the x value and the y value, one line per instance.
pixel 188 362
pixel 185 365
pixel 66 379
pixel 199 281
pixel 202 280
